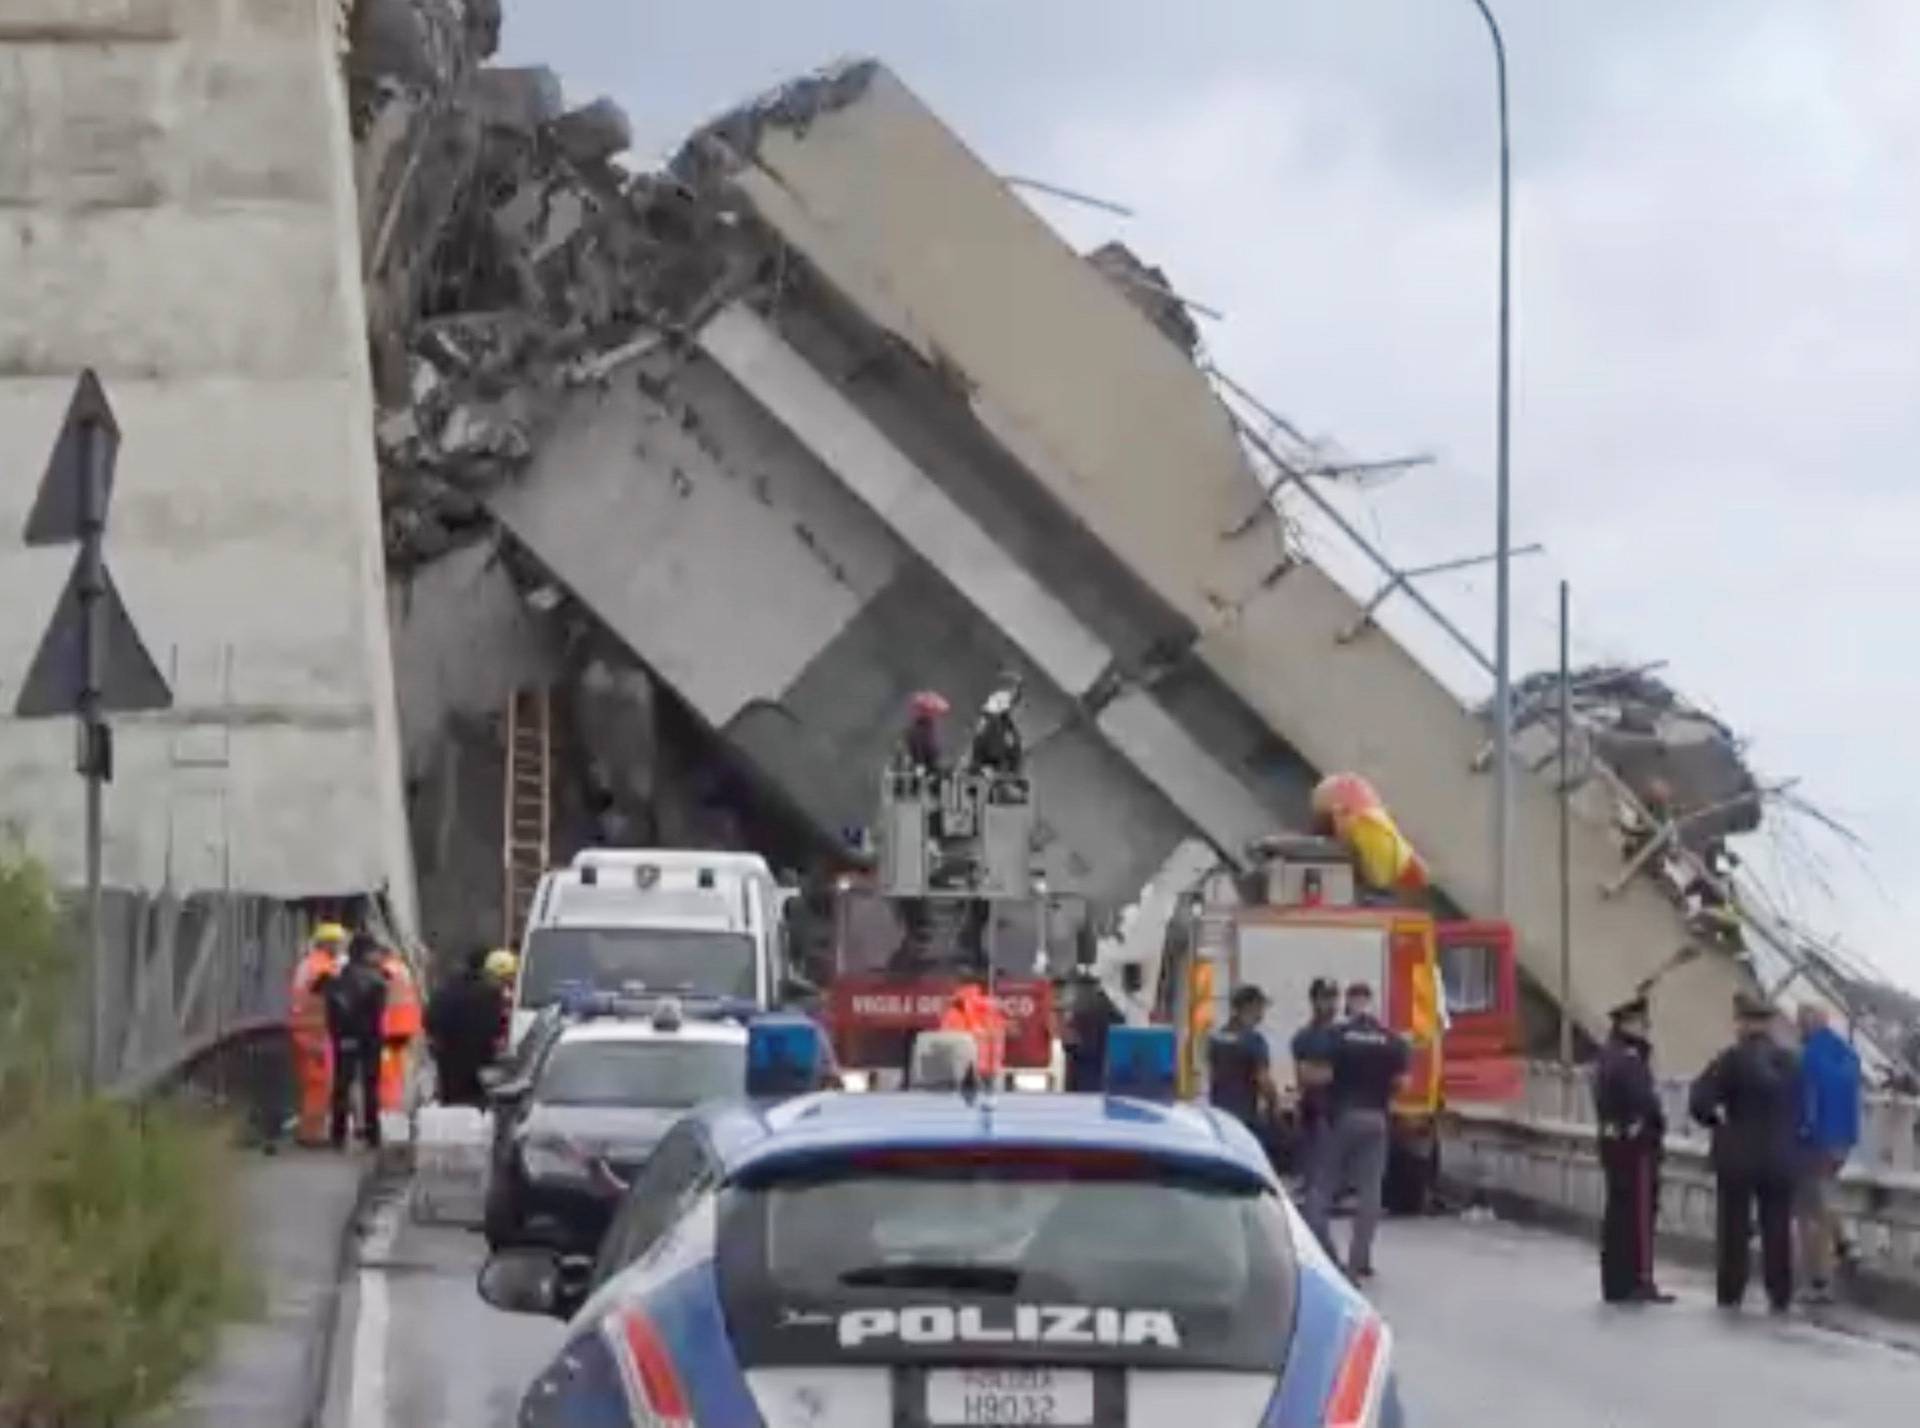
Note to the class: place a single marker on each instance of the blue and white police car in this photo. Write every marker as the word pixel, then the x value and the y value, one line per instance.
pixel 932 1260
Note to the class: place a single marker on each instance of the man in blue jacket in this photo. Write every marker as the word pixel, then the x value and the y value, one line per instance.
pixel 1829 1129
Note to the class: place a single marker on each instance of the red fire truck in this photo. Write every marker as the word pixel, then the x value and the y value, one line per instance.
pixel 1449 988
pixel 954 900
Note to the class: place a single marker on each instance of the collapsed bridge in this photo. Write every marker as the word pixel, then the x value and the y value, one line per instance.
pixel 685 481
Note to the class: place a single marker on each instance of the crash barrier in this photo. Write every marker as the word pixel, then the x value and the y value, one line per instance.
pixel 1540 1155
pixel 179 974
pixel 183 976
pixel 246 1068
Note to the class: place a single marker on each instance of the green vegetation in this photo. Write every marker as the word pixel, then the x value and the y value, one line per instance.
pixel 117 1259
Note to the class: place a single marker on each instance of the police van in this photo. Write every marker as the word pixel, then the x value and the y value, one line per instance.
pixel 702 926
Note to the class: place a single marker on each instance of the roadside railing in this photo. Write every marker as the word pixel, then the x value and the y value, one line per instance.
pixel 246 1068
pixel 1540 1153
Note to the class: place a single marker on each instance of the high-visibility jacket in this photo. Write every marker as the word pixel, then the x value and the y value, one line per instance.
pixel 975 1013
pixel 306 1004
pixel 404 1019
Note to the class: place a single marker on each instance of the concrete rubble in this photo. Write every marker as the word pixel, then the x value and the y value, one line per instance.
pixel 513 264
pixel 1667 751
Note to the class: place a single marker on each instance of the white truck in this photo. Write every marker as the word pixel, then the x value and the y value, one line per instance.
pixel 647 922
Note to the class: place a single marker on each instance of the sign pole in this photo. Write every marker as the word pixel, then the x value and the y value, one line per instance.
pixel 91 659
pixel 92 731
pixel 1566 850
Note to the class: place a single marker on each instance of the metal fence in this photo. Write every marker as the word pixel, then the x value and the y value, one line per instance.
pixel 1542 1153
pixel 183 973
pixel 1889 1131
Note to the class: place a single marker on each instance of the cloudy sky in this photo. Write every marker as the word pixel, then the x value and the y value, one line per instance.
pixel 1717 280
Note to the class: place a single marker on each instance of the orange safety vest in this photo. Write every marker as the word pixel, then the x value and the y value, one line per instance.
pixel 975 1013
pixel 403 1019
pixel 307 1004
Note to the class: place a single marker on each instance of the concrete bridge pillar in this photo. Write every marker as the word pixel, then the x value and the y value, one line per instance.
pixel 177 211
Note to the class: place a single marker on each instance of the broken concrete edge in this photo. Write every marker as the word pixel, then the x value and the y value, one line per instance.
pixel 723 145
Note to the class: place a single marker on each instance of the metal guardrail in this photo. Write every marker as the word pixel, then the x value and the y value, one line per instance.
pixel 247 1066
pixel 1542 1152
pixel 1890 1125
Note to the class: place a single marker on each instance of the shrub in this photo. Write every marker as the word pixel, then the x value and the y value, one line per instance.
pixel 117 1261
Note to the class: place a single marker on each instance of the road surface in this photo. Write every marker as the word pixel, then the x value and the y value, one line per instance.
pixel 1501 1325
pixel 1493 1324
pixel 418 1348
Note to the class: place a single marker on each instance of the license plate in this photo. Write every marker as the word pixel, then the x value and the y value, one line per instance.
pixel 957 1398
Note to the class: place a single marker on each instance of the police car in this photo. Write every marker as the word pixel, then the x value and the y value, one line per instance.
pixel 590 1112
pixel 937 1258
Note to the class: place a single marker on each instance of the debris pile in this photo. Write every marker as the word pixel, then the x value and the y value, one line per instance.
pixel 1674 757
pixel 510 255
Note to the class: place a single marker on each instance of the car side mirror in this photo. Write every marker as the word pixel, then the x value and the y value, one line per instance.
pixel 1132 978
pixel 523 1281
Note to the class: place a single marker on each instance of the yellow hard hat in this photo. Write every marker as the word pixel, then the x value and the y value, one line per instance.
pixel 502 965
pixel 329 932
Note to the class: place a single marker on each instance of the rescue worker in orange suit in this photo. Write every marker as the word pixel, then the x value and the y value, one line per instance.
pixel 1632 1126
pixel 356 1017
pixel 307 1021
pixel 402 1025
pixel 971 1010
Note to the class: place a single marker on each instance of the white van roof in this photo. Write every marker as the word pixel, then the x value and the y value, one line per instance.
pixel 674 860
pixel 572 902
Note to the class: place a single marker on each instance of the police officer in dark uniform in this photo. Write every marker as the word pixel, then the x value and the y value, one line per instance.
pixel 1313 1070
pixel 1240 1067
pixel 1369 1061
pixel 1750 1097
pixel 1632 1125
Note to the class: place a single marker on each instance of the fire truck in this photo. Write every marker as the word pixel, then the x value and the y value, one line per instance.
pixel 1449 988
pixel 953 898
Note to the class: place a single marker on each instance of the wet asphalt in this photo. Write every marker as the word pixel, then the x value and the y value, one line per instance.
pixel 1494 1324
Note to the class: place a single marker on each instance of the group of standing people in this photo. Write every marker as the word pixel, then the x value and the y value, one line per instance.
pixel 355 1013
pixel 355 1017
pixel 1784 1113
pixel 1348 1065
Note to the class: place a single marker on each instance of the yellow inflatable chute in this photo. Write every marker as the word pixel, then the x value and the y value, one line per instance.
pixel 1346 806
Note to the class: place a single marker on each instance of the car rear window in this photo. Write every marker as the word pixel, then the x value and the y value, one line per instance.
pixel 1035 1256
pixel 663 1074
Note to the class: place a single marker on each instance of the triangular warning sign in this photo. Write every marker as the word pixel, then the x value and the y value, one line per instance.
pixel 130 681
pixel 56 514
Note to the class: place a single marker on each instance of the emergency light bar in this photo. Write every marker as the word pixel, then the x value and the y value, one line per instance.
pixel 579 1000
pixel 1141 1063
pixel 784 1055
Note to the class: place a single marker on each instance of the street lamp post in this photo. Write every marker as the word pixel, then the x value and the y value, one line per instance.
pixel 1502 633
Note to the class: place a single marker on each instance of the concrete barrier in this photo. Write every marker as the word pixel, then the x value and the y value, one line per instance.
pixel 1538 1158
